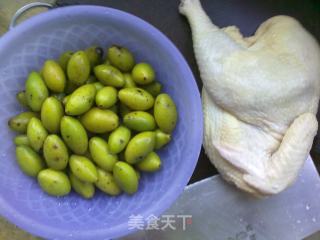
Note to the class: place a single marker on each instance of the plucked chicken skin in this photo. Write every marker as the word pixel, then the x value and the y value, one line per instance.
pixel 260 96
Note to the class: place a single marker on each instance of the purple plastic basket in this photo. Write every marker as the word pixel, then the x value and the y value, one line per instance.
pixel 47 35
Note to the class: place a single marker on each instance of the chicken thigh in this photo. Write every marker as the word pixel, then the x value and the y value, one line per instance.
pixel 260 96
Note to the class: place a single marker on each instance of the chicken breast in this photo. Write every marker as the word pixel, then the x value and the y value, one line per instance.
pixel 260 96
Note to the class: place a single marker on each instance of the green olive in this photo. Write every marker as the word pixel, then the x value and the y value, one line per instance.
pixel 55 152
pixel 126 177
pixel 22 98
pixel 109 75
pixel 128 81
pixel 74 134
pixel 53 182
pixel 64 59
pixel 106 97
pixel 150 163
pixel 121 58
pixel 51 114
pixel 161 139
pixel 21 140
pixel 84 189
pixel 153 88
pixel 36 91
pixel 54 76
pixel 94 55
pixel 78 69
pixel 165 113
pixel 106 183
pixel 20 122
pixel 139 121
pixel 101 155
pixel 36 133
pixel 81 100
pixel 143 73
pixel 29 161
pixel 139 147
pixel 136 98
pixel 83 168
pixel 118 139
pixel 97 120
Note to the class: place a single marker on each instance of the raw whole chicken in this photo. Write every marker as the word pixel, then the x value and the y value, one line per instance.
pixel 260 97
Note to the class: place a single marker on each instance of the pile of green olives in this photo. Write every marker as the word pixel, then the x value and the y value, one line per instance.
pixel 92 122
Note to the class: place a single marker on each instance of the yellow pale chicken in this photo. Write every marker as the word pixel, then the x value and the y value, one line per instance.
pixel 260 96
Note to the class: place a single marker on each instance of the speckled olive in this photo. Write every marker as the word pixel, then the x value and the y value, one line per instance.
pixel 106 183
pixel 153 88
pixel 74 134
pixel 78 68
pixel 51 114
pixel 118 139
pixel 162 138
pixel 128 81
pixel 20 122
pixel 83 168
pixel 29 161
pixel 136 98
pixel 64 59
pixel 53 182
pixel 126 177
pixel 139 121
pixel 143 73
pixel 150 163
pixel 81 100
pixel 106 97
pixel 36 133
pixel 94 54
pixel 109 75
pixel 165 113
pixel 97 120
pixel 139 147
pixel 121 58
pixel 36 91
pixel 55 152
pixel 84 189
pixel 101 155
pixel 54 76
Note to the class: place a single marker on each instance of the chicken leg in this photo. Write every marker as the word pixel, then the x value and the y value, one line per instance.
pixel 260 96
